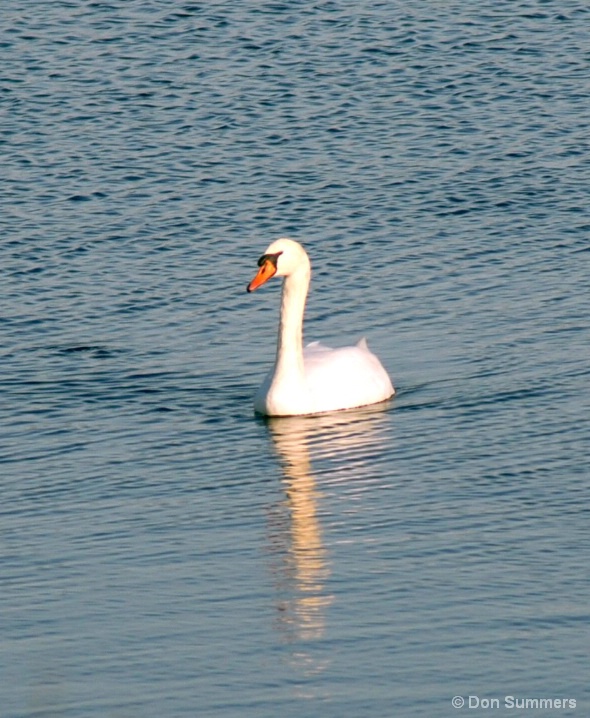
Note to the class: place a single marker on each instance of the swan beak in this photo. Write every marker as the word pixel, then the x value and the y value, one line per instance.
pixel 267 270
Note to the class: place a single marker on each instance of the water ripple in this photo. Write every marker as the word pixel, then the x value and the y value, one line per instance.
pixel 161 545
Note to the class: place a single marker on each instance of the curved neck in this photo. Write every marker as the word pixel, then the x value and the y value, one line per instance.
pixel 290 339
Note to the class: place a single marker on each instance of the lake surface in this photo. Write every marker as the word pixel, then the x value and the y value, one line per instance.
pixel 164 552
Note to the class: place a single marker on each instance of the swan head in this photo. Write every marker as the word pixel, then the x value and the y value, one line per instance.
pixel 282 258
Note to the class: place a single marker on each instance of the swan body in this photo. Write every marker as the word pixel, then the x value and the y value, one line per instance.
pixel 314 379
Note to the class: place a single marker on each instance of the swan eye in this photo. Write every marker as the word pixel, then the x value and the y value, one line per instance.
pixel 272 258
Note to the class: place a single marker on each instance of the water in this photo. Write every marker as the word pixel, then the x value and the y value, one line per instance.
pixel 166 553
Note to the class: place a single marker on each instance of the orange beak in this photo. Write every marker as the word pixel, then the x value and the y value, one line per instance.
pixel 266 271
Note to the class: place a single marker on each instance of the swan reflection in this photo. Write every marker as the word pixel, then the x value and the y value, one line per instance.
pixel 302 563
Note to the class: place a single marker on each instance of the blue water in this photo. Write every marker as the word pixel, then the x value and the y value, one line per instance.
pixel 163 551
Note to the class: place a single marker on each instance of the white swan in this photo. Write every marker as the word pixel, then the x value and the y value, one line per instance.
pixel 315 379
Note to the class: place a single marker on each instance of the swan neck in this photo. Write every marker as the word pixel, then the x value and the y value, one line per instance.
pixel 290 340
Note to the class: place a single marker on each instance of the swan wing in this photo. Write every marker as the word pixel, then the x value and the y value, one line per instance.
pixel 346 377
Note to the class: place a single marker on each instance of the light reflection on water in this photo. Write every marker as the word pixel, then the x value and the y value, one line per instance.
pixel 301 565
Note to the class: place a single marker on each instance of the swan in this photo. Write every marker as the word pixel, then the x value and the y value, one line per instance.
pixel 314 379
